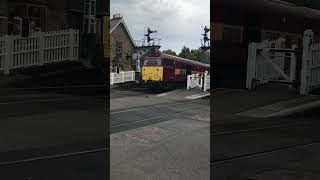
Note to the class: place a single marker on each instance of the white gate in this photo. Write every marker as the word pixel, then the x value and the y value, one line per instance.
pixel 310 72
pixel 122 77
pixel 38 49
pixel 199 81
pixel 268 62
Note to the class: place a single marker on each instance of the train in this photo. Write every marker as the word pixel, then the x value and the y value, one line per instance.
pixel 236 23
pixel 164 70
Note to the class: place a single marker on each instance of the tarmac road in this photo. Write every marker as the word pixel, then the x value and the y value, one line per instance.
pixel 263 148
pixel 61 133
pixel 161 136
pixel 80 167
pixel 44 130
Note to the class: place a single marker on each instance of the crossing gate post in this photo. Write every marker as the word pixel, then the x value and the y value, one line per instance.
pixel 133 76
pixel 188 82
pixel 122 76
pixel 201 81
pixel 293 66
pixel 251 64
pixel 306 60
pixel 71 44
pixel 9 42
pixel 205 81
pixel 111 78
pixel 41 48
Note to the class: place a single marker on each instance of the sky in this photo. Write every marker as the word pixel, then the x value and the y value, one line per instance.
pixel 179 22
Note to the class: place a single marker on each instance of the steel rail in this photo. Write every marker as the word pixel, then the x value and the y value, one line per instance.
pixel 222 133
pixel 267 152
pixel 63 155
pixel 157 117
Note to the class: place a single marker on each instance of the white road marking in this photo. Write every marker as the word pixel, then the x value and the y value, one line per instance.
pixel 197 96
pixel 165 94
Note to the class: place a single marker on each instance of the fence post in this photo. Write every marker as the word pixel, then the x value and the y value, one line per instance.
pixel 133 76
pixel 293 65
pixel 188 82
pixel 122 75
pixel 251 63
pixel 205 81
pixel 305 70
pixel 201 81
pixel 8 54
pixel 71 44
pixel 111 78
pixel 41 48
pixel 77 41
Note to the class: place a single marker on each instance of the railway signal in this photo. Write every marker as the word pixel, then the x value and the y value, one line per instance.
pixel 206 40
pixel 149 32
pixel 143 48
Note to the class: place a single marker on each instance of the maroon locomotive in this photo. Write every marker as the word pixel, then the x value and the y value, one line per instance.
pixel 163 68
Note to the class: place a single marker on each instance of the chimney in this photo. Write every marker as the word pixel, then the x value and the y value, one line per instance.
pixel 116 16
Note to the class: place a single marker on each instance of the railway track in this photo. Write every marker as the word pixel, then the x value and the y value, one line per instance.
pixel 232 132
pixel 280 148
pixel 262 153
pixel 55 156
pixel 153 118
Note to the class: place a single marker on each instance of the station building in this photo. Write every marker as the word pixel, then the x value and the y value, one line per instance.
pixel 121 45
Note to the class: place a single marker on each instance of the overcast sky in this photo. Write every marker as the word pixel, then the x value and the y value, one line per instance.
pixel 179 22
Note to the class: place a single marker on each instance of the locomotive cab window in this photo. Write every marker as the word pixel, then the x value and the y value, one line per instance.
pixel 152 62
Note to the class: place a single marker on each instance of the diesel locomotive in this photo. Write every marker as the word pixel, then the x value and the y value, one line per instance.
pixel 164 69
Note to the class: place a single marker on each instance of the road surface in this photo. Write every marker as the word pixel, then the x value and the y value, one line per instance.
pixel 53 134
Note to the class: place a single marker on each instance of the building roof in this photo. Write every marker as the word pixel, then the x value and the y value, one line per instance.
pixel 272 6
pixel 115 22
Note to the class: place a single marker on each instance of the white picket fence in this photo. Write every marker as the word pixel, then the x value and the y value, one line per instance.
pixel 122 77
pixel 199 81
pixel 266 63
pixel 38 49
pixel 310 72
pixel 262 68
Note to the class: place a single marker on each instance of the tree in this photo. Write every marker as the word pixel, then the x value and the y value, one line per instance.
pixel 195 54
pixel 169 51
pixel 185 53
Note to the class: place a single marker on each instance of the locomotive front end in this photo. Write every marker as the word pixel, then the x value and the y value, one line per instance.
pixel 152 69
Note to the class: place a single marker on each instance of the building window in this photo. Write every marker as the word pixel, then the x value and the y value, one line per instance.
pixel 93 8
pixel 231 34
pixel 35 15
